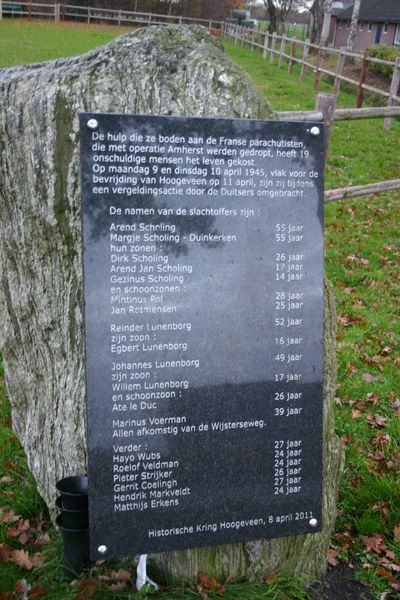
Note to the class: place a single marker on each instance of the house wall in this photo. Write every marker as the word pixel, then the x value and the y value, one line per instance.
pixel 364 38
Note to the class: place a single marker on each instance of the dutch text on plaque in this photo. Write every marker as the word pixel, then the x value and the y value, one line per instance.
pixel 203 277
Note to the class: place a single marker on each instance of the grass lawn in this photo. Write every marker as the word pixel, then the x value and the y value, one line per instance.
pixel 362 260
pixel 22 42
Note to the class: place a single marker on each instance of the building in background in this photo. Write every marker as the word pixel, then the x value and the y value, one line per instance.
pixel 378 23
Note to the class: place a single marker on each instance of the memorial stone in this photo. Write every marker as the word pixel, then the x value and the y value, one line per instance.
pixel 203 262
pixel 157 70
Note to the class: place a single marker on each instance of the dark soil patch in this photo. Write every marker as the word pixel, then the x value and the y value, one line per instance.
pixel 339 583
pixel 375 79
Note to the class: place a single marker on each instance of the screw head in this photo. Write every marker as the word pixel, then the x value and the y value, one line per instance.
pixel 315 131
pixel 102 549
pixel 313 522
pixel 92 124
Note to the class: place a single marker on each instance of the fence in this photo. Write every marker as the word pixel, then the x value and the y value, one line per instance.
pixel 86 14
pixel 255 39
pixel 326 112
pixel 276 46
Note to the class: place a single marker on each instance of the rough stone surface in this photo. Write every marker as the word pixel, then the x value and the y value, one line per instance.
pixel 166 70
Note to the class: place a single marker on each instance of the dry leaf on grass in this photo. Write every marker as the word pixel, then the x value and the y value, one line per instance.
pixel 332 560
pixel 6 553
pixel 118 587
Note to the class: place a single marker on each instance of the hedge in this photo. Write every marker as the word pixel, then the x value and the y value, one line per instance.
pixel 386 53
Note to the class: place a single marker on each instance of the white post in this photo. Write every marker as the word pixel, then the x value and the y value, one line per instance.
pixel 394 87
pixel 305 57
pixel 57 12
pixel 272 55
pixel 339 70
pixel 1 9
pixel 265 49
pixel 282 50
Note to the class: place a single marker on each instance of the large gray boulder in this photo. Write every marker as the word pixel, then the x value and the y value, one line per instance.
pixel 165 71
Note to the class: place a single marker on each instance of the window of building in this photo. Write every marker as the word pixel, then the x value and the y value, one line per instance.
pixel 369 27
pixel 361 26
pixel 397 36
pixel 385 28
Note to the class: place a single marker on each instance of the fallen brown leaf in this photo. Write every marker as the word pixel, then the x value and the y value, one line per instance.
pixel 332 560
pixel 22 589
pixel 396 533
pixel 6 480
pixel 381 439
pixel 376 420
pixel 373 397
pixel 16 530
pixel 44 538
pixel 10 465
pixel 374 542
pixel 23 559
pixel 368 377
pixel 206 581
pixel 6 553
pixel 87 589
pixel 117 587
pixel 9 516
pixel 38 560
pixel 38 592
pixel 384 572
pixel 120 575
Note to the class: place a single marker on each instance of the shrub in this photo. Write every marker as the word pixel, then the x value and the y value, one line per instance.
pixel 386 53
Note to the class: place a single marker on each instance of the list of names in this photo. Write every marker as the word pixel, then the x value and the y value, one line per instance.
pixel 203 250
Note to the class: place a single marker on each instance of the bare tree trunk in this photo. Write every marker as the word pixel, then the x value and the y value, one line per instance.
pixel 326 22
pixel 353 26
pixel 273 19
pixel 316 19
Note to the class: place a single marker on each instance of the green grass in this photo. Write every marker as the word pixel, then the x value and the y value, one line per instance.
pixel 362 260
pixel 22 42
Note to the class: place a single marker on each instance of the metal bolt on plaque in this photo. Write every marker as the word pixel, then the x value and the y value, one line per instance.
pixel 102 549
pixel 313 522
pixel 92 124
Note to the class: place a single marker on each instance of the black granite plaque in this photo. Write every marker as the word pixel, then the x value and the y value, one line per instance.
pixel 203 271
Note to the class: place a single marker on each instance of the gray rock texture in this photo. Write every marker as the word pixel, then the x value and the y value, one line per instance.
pixel 165 71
